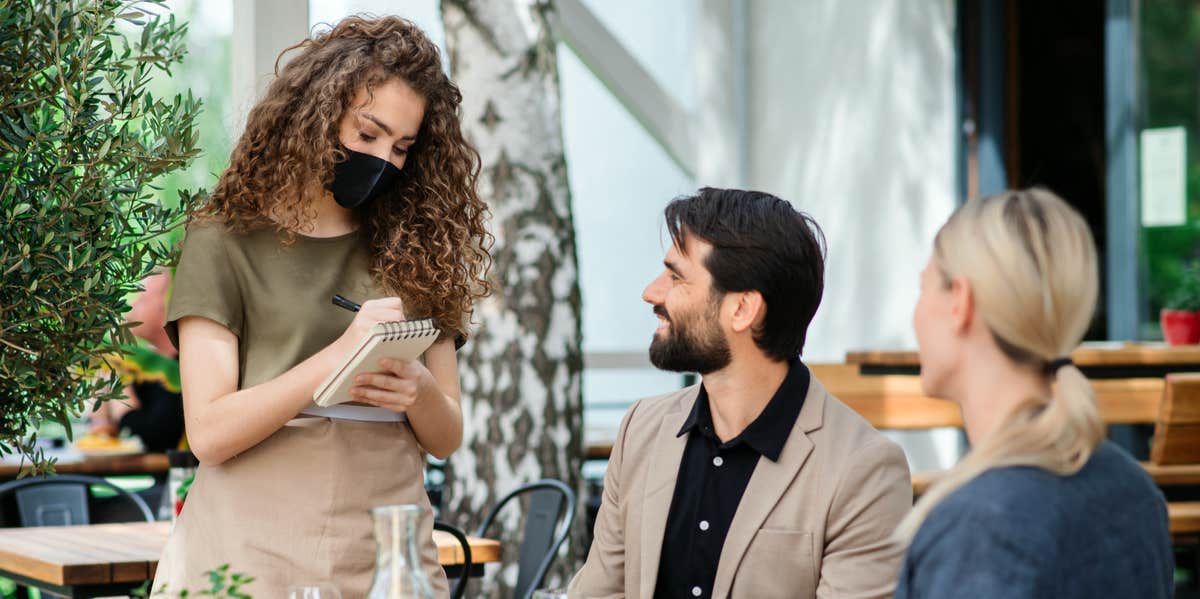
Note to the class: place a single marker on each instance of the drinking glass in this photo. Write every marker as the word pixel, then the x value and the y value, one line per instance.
pixel 314 591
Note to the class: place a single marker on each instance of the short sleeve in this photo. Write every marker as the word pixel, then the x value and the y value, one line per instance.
pixel 204 283
pixel 460 339
pixel 449 333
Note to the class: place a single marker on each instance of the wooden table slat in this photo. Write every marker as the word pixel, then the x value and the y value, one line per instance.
pixel 1129 354
pixel 142 463
pixel 450 551
pixel 1184 517
pixel 1176 475
pixel 136 536
pixel 127 563
pixel 68 563
pixel 23 557
pixel 107 553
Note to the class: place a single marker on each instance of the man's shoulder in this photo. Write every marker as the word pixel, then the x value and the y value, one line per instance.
pixel 665 402
pixel 648 412
pixel 846 429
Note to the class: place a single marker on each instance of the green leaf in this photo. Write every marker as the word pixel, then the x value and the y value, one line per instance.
pixel 76 119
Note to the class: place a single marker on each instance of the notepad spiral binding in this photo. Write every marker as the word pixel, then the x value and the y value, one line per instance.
pixel 408 329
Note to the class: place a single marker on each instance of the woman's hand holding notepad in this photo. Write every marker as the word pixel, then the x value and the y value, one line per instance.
pixel 379 331
pixel 405 340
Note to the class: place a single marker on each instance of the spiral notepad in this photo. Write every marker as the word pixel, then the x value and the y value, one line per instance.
pixel 404 340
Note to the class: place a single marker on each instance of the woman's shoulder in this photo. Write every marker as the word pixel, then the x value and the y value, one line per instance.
pixel 1025 493
pixel 207 231
pixel 997 493
pixel 211 233
pixel 994 507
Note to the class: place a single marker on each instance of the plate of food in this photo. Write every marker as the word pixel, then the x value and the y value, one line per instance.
pixel 106 445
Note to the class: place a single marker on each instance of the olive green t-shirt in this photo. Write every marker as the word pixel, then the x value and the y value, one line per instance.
pixel 275 297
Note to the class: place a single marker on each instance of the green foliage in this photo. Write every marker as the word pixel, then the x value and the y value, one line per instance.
pixel 222 584
pixel 207 73
pixel 82 145
pixel 1170 57
pixel 1187 295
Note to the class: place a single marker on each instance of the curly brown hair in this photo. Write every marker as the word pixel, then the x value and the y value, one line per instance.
pixel 426 237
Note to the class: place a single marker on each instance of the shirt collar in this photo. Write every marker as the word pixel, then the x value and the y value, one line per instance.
pixel 769 432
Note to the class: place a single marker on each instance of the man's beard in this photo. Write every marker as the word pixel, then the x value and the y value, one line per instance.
pixel 691 344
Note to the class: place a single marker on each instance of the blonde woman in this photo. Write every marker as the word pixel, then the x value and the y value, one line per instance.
pixel 1042 506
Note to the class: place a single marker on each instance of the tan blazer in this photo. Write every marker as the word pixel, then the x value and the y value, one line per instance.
pixel 816 523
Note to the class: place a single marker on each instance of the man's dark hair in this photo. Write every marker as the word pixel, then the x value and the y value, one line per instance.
pixel 760 243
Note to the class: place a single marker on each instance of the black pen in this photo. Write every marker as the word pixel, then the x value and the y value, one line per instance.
pixel 342 302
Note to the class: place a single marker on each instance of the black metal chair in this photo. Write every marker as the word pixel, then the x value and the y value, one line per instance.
pixel 547 524
pixel 464 571
pixel 65 500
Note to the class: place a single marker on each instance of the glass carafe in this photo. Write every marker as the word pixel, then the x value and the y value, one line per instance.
pixel 398 572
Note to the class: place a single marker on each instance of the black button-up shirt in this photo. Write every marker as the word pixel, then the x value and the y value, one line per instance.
pixel 712 477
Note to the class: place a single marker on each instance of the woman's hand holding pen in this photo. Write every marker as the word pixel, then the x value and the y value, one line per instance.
pixel 370 313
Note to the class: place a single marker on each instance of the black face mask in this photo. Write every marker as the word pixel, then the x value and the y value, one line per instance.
pixel 360 178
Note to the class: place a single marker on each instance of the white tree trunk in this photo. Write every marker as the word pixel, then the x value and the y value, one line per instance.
pixel 521 372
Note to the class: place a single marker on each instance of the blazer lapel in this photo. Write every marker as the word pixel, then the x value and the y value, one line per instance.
pixel 767 485
pixel 667 453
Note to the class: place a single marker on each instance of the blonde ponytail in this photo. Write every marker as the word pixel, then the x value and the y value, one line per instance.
pixel 1031 263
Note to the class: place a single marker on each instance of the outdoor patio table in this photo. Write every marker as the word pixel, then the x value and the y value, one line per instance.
pixel 1101 360
pixel 153 464
pixel 112 559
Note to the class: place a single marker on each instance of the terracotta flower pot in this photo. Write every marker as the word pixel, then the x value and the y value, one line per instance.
pixel 1180 327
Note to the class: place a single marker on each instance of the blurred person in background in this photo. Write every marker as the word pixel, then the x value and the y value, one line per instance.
pixel 152 409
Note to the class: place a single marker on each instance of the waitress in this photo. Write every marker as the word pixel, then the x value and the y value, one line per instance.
pixel 352 177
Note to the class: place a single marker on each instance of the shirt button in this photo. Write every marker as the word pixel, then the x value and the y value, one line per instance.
pixel 696 591
pixel 717 461
pixel 704 525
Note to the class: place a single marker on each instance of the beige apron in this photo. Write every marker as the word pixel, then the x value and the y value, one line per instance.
pixel 293 510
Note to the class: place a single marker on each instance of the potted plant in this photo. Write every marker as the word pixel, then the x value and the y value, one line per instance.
pixel 1180 316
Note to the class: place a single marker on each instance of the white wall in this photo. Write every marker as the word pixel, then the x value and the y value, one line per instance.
pixel 851 117
pixel 620 181
pixel 425 13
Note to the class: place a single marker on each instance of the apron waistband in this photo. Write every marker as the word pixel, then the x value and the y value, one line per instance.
pixel 360 413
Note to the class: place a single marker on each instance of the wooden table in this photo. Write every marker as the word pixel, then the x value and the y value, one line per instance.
pixel 141 463
pixel 112 559
pixel 1097 360
pixel 1176 475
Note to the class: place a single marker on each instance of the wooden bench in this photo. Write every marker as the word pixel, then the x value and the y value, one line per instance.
pixel 1178 475
pixel 1175 449
pixel 1171 403
pixel 1177 428
pixel 891 401
pixel 896 401
pixel 1176 444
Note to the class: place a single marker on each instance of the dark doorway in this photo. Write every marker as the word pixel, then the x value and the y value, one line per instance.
pixel 1046 60
pixel 1057 118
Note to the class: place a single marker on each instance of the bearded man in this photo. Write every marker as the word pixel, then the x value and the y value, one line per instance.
pixel 755 483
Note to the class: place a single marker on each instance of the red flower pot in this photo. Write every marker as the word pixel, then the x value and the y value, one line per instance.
pixel 1180 327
